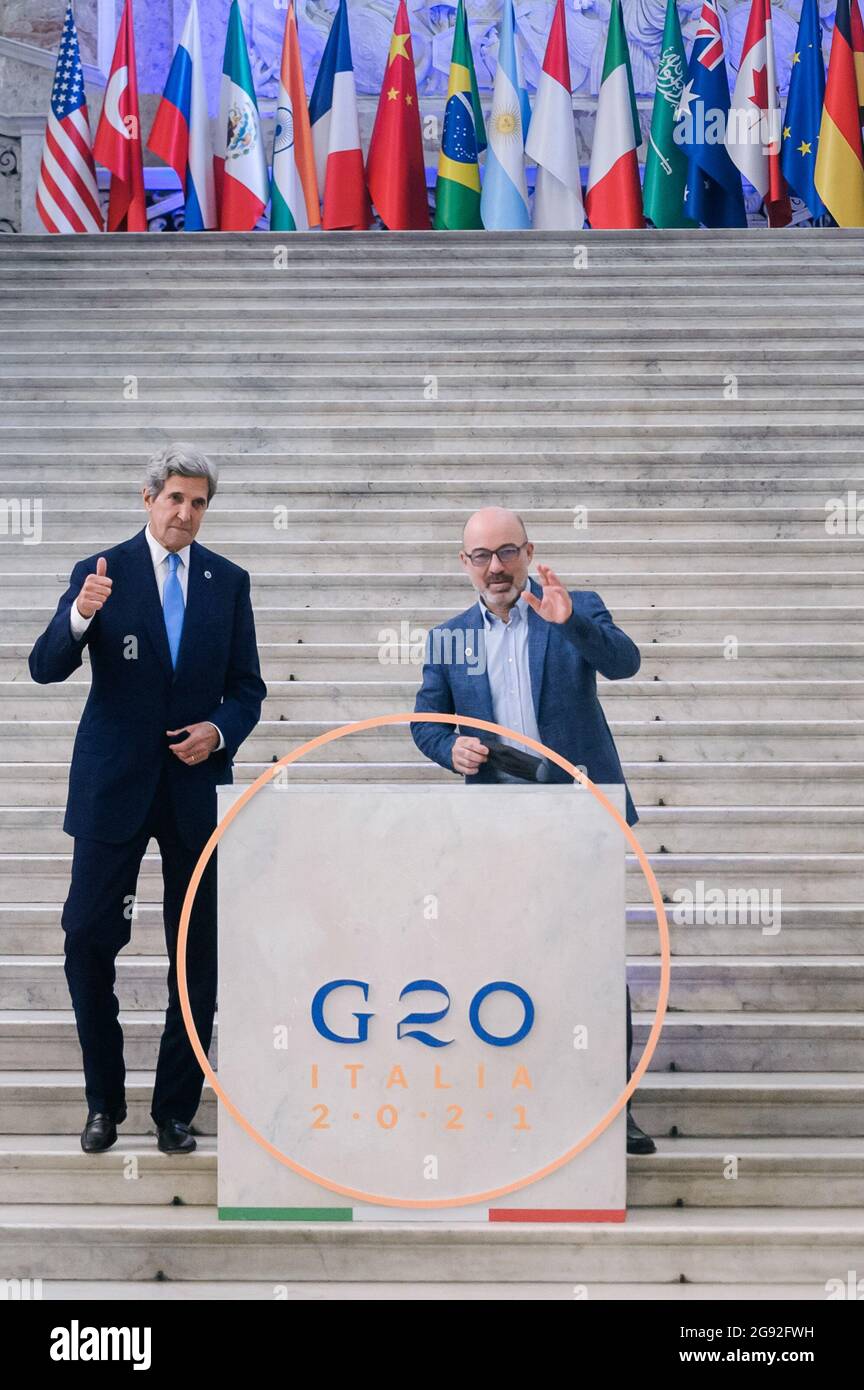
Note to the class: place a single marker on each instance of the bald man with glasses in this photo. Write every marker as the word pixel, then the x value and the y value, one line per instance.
pixel 543 646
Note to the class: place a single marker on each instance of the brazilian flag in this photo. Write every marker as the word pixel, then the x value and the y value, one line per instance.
pixel 457 190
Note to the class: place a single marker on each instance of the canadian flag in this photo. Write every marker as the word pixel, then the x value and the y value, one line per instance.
pixel 753 131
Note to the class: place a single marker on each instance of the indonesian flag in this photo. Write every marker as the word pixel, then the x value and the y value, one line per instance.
pixel 551 138
pixel 395 167
pixel 181 130
pixel 294 204
pixel 753 131
pixel 614 196
pixel 118 135
pixel 242 182
pixel 336 132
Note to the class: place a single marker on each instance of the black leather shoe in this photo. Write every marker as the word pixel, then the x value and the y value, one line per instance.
pixel 638 1142
pixel 174 1137
pixel 100 1131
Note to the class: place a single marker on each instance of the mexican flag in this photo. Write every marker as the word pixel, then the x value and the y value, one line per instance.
pixel 457 189
pixel 614 197
pixel 666 164
pixel 241 165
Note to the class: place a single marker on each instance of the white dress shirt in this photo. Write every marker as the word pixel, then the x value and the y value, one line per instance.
pixel 509 676
pixel 159 555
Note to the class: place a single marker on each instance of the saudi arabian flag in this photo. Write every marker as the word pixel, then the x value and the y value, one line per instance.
pixel 457 190
pixel 666 162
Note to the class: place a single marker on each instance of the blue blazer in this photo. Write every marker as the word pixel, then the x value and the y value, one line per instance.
pixel 563 660
pixel 135 693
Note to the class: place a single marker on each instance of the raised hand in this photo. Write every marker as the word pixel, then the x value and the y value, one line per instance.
pixel 556 605
pixel 95 591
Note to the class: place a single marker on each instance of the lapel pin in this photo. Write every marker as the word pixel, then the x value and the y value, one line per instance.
pixel 207 574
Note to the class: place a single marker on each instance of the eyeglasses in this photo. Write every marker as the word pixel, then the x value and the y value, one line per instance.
pixel 506 554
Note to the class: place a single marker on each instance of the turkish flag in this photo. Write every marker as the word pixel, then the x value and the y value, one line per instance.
pixel 118 135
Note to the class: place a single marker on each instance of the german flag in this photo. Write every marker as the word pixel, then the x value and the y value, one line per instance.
pixel 839 173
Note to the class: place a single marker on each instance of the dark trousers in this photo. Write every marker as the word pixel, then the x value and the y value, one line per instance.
pixel 629 1039
pixel 97 922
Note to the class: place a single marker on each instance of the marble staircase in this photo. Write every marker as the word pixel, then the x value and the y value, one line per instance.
pixel 697 398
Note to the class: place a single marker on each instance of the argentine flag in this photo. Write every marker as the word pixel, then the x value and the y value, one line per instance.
pixel 181 130
pixel 504 199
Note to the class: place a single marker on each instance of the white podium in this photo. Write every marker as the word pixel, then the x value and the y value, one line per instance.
pixel 421 1004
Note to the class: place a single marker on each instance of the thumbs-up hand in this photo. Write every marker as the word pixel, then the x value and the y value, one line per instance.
pixel 95 591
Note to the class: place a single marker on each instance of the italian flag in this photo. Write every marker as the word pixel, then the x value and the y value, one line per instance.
pixel 614 196
pixel 241 166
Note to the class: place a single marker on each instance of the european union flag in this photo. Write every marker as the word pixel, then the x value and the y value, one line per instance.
pixel 804 110
pixel 714 195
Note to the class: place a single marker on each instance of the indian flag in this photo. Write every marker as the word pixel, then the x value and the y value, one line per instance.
pixel 614 196
pixel 294 205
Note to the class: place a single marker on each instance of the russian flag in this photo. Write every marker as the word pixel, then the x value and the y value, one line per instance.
pixel 181 130
pixel 336 133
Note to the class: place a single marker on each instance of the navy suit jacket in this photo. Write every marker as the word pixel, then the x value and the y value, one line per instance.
pixel 135 694
pixel 563 660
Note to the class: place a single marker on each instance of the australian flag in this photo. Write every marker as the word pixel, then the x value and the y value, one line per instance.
pixel 804 111
pixel 714 195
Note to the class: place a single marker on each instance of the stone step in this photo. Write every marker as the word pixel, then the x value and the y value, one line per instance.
pixel 426 399
pixel 803 1173
pixel 395 533
pixel 660 740
pixel 800 878
pixel 83 1242
pixel 832 553
pixel 371 497
pixel 648 700
pixel 704 431
pixel 661 829
pixel 737 460
pixel 745 1044
pixel 31 287
pixel 829 984
pixel 444 318
pixel 403 592
pixel 599 379
pixel 732 784
pixel 354 629
pixel 819 929
pixel 235 1290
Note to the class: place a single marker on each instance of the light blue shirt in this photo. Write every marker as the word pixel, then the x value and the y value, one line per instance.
pixel 509 676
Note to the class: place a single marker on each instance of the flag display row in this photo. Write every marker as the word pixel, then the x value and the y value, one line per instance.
pixel 703 140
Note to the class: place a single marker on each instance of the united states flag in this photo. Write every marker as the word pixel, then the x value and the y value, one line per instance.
pixel 66 197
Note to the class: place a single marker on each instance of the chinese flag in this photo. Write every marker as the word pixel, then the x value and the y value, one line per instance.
pixel 118 135
pixel 395 167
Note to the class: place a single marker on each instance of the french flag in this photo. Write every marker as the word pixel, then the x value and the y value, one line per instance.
pixel 181 130
pixel 336 133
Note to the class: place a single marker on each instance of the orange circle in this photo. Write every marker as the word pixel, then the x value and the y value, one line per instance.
pixel 414 1202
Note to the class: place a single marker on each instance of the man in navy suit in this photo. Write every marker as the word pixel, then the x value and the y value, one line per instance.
pixel 175 689
pixel 541 648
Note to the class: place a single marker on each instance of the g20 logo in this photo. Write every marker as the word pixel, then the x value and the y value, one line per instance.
pixel 408 1027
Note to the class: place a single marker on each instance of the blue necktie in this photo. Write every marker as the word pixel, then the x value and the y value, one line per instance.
pixel 173 607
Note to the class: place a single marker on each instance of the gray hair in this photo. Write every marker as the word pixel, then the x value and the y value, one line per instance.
pixel 184 461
